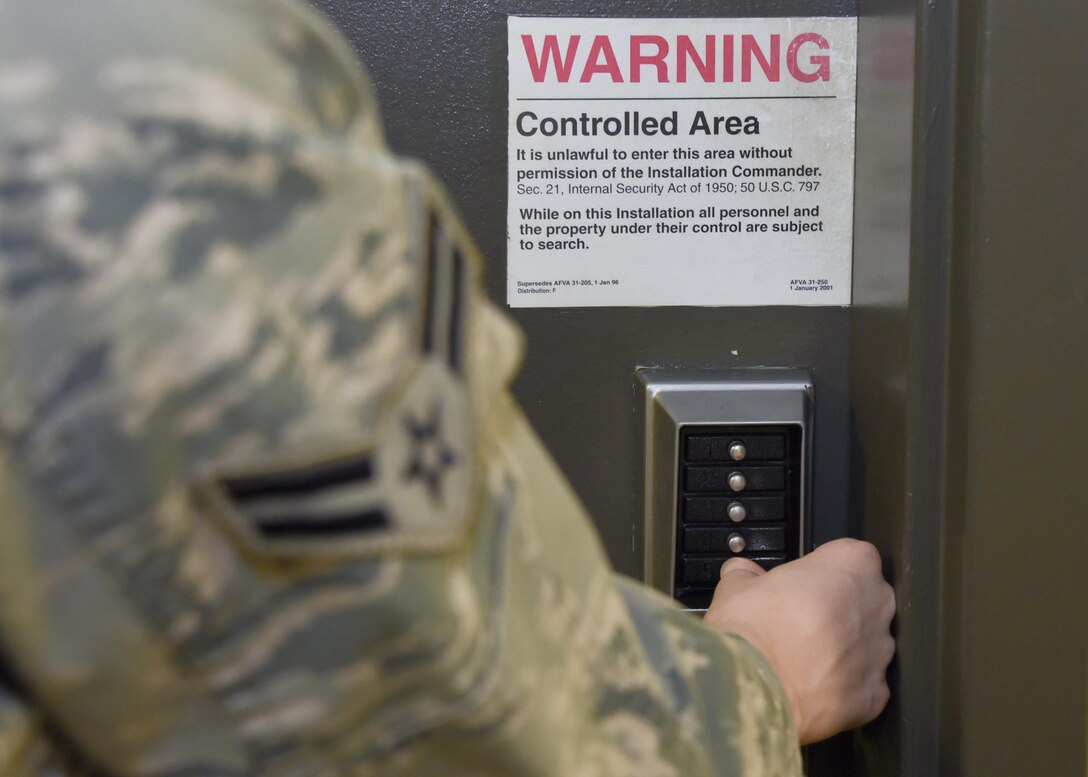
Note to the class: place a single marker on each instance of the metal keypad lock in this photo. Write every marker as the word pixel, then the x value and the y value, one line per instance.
pixel 727 473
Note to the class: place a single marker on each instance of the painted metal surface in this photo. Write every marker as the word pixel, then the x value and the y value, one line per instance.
pixel 440 73
pixel 967 167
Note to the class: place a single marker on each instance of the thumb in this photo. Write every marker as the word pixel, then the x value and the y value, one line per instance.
pixel 735 574
pixel 738 569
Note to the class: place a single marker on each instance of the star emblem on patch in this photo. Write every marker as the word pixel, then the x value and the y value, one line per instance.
pixel 431 457
pixel 426 465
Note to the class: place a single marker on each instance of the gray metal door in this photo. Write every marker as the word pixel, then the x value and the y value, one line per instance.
pixel 892 373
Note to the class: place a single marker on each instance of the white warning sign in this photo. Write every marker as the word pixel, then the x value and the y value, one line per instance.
pixel 680 161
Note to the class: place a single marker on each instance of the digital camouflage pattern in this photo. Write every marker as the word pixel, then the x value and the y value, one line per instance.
pixel 266 506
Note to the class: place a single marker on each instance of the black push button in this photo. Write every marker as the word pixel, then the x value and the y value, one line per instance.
pixel 696 599
pixel 701 571
pixel 698 448
pixel 768 560
pixel 763 538
pixel 739 497
pixel 707 570
pixel 705 509
pixel 707 539
pixel 715 447
pixel 713 478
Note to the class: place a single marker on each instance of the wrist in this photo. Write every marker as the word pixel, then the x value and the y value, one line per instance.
pixel 776 677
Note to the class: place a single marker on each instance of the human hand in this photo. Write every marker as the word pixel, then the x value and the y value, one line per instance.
pixel 823 622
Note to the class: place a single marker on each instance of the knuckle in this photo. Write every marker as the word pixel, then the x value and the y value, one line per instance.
pixel 848 544
pixel 867 554
pixel 881 696
pixel 889 603
pixel 840 546
pixel 888 649
pixel 858 554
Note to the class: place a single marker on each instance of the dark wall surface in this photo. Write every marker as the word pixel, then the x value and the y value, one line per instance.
pixel 951 416
pixel 440 73
pixel 1016 624
pixel 951 397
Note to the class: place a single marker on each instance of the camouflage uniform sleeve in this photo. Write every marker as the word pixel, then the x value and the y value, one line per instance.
pixel 266 504
pixel 25 749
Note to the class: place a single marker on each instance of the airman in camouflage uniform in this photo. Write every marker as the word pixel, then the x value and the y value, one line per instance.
pixel 267 506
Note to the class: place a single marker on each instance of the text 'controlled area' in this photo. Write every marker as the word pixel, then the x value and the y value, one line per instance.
pixel 632 183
